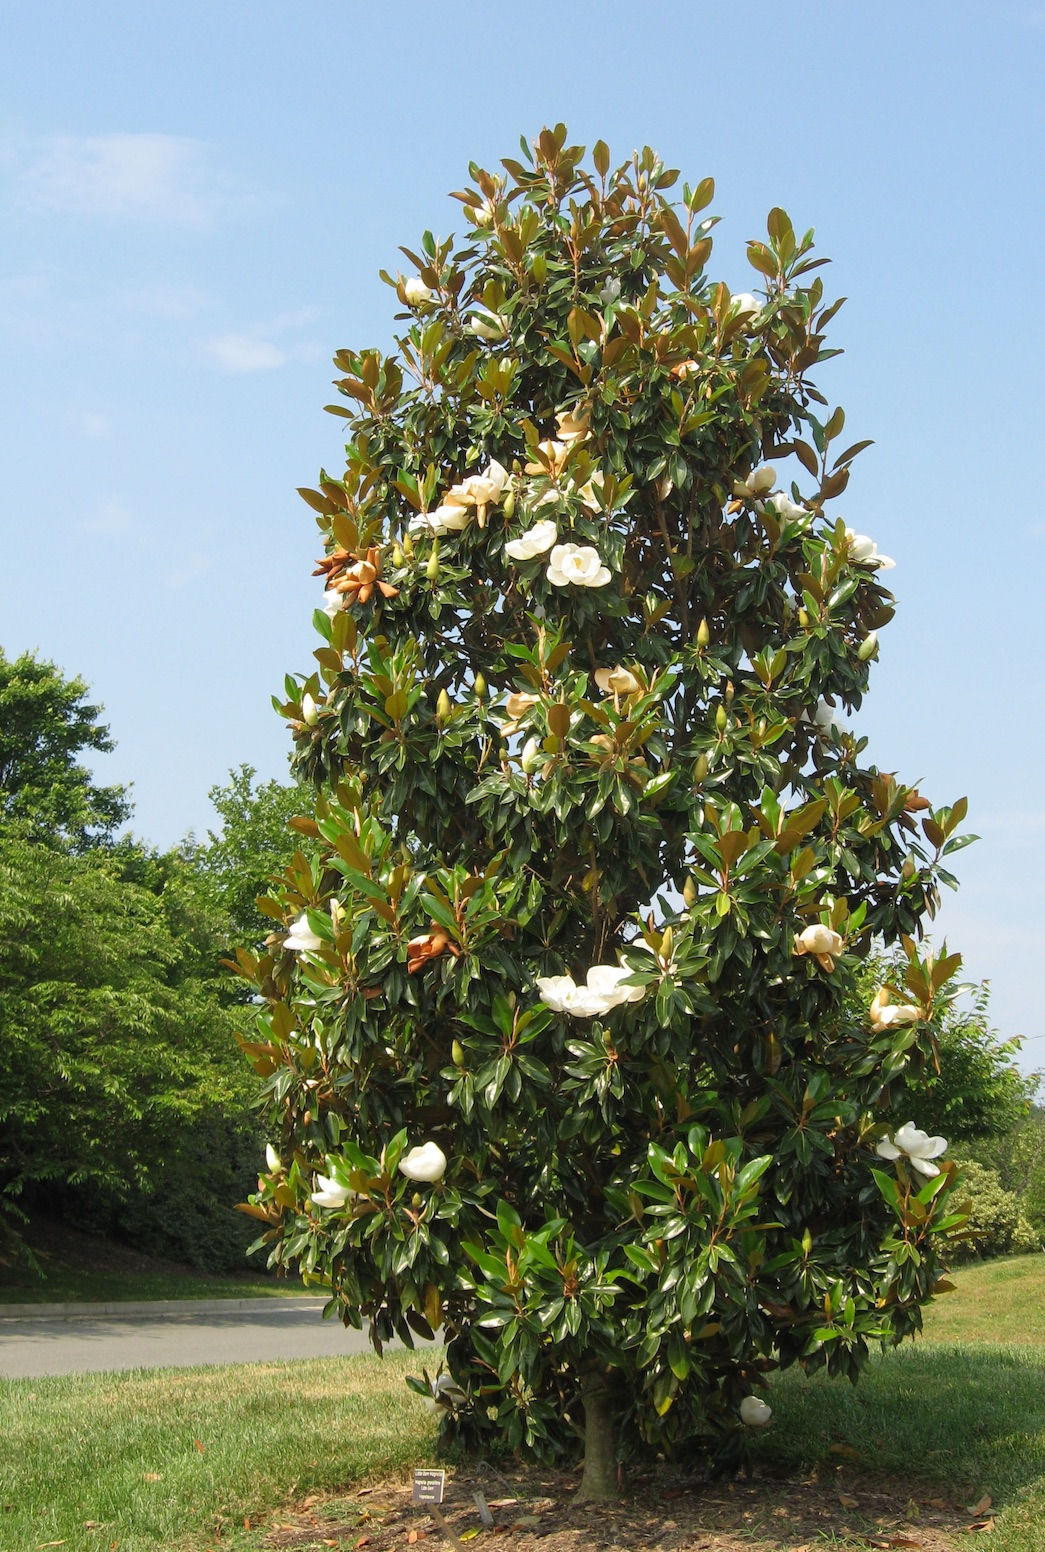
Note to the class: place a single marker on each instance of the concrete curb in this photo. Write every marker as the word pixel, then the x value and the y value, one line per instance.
pixel 156 1309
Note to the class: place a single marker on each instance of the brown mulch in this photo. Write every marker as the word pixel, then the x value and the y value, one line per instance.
pixel 661 1512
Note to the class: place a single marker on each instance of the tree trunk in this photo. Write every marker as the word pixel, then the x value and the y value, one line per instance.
pixel 599 1478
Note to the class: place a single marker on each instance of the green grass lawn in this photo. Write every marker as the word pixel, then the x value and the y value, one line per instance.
pixel 181 1458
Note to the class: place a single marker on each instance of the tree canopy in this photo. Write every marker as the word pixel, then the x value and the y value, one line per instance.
pixel 46 725
pixel 563 1038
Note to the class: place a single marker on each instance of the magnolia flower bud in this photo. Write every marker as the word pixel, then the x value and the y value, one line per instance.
pixel 273 1160
pixel 309 710
pixel 721 719
pixel 432 568
pixel 479 687
pixel 443 709
pixel 397 554
pixel 803 618
pixel 426 1162
pixel 530 758
pixel 415 291
pixel 457 1054
pixel 700 768
pixel 754 1412
pixel 868 647
pixel 689 890
pixel 703 634
pixel 508 504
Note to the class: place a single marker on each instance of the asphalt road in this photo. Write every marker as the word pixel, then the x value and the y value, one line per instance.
pixel 87 1338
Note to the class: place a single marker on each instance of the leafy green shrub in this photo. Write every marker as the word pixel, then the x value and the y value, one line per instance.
pixel 997 1225
pixel 561 1038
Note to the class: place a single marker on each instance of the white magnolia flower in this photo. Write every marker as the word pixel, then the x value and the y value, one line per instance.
pixel 601 992
pixel 755 1412
pixel 917 1146
pixel 446 1391
pixel 332 602
pixel 416 292
pixel 442 520
pixel 309 710
pixel 426 1162
pixel 610 292
pixel 616 681
pixel 887 1014
pixel 488 325
pixel 864 552
pixel 330 1194
pixel 743 303
pixel 592 492
pixel 483 214
pixel 820 941
pixel 579 564
pixel 301 938
pixel 555 455
pixel 572 426
pixel 758 483
pixel 784 507
pixel 827 720
pixel 273 1160
pixel 535 541
pixel 480 490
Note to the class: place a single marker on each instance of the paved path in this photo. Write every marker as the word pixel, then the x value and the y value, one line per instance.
pixel 84 1338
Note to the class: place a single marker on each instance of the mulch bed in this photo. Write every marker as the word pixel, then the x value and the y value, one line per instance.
pixel 533 1512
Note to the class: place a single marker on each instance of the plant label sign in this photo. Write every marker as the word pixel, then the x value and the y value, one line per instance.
pixel 428 1486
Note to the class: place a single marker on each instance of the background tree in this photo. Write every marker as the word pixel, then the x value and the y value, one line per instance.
pixel 255 841
pixel 46 725
pixel 968 1086
pixel 121 1101
pixel 559 1042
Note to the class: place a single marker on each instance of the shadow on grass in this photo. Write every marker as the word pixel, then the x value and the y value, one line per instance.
pixel 971 1419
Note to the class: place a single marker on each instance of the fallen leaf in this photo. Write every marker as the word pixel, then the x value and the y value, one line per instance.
pixel 847 1502
pixel 844 1449
pixel 153 1476
pixel 987 1524
pixel 246 1522
pixel 980 1506
pixel 198 1445
pixel 470 1535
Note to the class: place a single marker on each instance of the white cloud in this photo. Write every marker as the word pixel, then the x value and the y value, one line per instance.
pixel 111 520
pixel 243 353
pixel 152 176
pixel 256 349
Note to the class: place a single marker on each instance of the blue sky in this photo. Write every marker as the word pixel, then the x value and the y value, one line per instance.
pixel 196 200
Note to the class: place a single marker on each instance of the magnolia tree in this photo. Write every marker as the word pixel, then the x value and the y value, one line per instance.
pixel 558 1036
